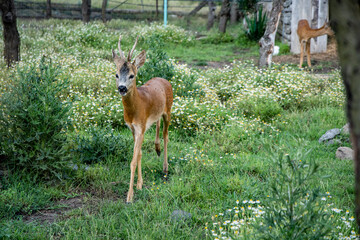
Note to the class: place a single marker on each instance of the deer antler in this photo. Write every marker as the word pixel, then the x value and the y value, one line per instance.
pixel 122 56
pixel 132 50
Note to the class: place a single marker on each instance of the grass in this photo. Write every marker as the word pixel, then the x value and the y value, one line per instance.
pixel 222 144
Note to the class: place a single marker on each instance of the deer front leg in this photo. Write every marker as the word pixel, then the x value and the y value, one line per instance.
pixel 308 52
pixel 140 179
pixel 139 138
pixel 166 119
pixel 157 139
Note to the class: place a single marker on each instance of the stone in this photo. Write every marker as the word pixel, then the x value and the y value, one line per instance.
pixel 346 129
pixel 333 141
pixel 345 153
pixel 179 215
pixel 329 135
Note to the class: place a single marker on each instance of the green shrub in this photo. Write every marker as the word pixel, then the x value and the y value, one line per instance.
pixel 294 210
pixel 157 64
pixel 33 120
pixel 256 25
pixel 100 143
pixel 218 38
pixel 265 108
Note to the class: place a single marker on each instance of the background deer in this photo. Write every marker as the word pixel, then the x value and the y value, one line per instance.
pixel 305 34
pixel 143 106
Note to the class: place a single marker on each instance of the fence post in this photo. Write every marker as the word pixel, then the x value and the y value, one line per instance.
pixel 165 12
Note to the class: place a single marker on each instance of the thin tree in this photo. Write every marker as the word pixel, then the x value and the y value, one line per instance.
pixel 234 16
pixel 48 9
pixel 345 21
pixel 86 10
pixel 103 10
pixel 211 15
pixel 224 15
pixel 267 42
pixel 10 32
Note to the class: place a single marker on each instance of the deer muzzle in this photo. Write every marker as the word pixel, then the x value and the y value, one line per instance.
pixel 122 90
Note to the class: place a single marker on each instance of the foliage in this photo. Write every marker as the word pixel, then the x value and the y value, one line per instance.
pixel 294 211
pixel 18 196
pixel 218 38
pixel 100 143
pixel 256 25
pixel 168 34
pixel 158 64
pixel 247 5
pixel 33 120
pixel 221 136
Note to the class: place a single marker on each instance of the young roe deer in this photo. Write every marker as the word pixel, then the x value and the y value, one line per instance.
pixel 143 106
pixel 305 34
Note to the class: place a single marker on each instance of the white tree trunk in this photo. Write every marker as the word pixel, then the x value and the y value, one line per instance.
pixel 268 40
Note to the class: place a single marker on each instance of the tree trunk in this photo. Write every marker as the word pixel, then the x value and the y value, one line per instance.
pixel 197 8
pixel 234 16
pixel 268 40
pixel 224 15
pixel 103 10
pixel 211 15
pixel 345 22
pixel 48 9
pixel 10 32
pixel 86 10
pixel 157 9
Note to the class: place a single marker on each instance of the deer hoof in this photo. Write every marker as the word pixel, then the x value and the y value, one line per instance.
pixel 139 185
pixel 157 148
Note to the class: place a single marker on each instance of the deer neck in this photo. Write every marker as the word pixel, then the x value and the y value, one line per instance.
pixel 131 103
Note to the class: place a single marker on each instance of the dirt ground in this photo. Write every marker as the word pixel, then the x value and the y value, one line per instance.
pixel 321 62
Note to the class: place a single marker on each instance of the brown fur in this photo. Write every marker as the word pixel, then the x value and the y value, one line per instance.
pixel 305 33
pixel 144 106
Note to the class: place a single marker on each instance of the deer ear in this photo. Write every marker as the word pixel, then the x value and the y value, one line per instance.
pixel 140 59
pixel 114 55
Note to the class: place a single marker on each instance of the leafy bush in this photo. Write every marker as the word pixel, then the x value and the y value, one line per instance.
pixel 265 108
pixel 89 35
pixel 99 143
pixel 170 33
pixel 218 38
pixel 294 211
pixel 33 120
pixel 158 64
pixel 256 25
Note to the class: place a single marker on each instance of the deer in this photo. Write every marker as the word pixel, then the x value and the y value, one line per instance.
pixel 143 106
pixel 305 33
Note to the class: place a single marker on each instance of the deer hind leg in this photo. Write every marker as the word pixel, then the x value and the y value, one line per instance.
pixel 139 138
pixel 157 138
pixel 166 118
pixel 308 52
pixel 302 45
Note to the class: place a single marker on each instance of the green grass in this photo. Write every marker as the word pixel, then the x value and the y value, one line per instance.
pixel 223 140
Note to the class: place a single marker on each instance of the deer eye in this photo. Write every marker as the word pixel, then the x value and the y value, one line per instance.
pixel 131 76
pixel 117 76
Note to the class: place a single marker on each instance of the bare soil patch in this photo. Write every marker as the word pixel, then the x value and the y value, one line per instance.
pixel 51 215
pixel 321 62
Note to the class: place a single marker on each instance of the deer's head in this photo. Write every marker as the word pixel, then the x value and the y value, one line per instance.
pixel 328 29
pixel 126 69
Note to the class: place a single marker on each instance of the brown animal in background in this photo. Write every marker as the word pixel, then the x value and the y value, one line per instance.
pixel 143 106
pixel 305 34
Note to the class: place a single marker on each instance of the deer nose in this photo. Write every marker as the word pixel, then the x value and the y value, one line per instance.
pixel 122 89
